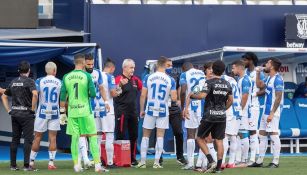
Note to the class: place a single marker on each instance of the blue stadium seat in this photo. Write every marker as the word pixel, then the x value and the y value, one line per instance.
pixel 288 121
pixel 300 107
pixel 290 88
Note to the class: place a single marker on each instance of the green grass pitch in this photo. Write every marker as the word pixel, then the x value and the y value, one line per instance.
pixel 288 166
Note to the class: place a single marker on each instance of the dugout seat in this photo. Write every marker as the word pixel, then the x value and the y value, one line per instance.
pixel 288 125
pixel 290 88
pixel 300 106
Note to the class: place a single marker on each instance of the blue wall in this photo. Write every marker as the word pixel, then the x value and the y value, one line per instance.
pixel 148 31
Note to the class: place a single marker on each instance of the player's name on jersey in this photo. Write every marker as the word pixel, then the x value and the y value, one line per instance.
pixel 48 81
pixel 223 86
pixel 75 77
pixel 213 112
pixel 197 73
pixel 219 92
pixel 78 106
pixel 159 78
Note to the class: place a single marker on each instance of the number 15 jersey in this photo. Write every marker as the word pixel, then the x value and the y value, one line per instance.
pixel 159 86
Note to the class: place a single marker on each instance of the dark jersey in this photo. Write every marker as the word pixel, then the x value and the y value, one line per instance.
pixel 128 98
pixel 20 89
pixel 217 91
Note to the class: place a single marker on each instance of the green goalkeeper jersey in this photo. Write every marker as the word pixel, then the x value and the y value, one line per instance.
pixel 78 87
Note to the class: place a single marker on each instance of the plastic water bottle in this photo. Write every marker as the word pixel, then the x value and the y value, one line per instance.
pixel 259 68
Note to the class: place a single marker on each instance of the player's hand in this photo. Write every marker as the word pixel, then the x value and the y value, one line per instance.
pixel 186 114
pixel 123 81
pixel 254 94
pixel 107 106
pixel 142 114
pixel 270 117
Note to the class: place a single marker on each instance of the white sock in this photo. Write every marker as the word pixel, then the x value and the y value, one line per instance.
pixel 262 148
pixel 212 151
pixel 99 140
pixel 144 147
pixel 232 149
pixel 190 151
pixel 254 143
pixel 239 150
pixel 276 148
pixel 226 146
pixel 200 158
pixel 110 147
pixel 33 155
pixel 159 149
pixel 245 148
pixel 51 157
pixel 83 149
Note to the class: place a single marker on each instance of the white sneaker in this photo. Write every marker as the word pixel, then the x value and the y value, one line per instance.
pixel 188 167
pixel 99 168
pixel 88 165
pixel 157 166
pixel 77 168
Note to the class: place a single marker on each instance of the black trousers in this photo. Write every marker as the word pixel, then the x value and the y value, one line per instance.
pixel 22 126
pixel 127 120
pixel 175 121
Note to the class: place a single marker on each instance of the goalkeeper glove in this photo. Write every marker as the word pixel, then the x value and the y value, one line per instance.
pixel 63 116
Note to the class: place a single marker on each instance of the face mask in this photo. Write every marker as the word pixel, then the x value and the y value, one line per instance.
pixel 89 70
pixel 169 70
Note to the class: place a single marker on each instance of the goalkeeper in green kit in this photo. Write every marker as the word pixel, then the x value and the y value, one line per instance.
pixel 78 88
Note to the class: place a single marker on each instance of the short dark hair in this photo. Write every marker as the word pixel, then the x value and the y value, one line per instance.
pixel 207 65
pixel 187 65
pixel 239 63
pixel 109 63
pixel 162 60
pixel 251 56
pixel 24 67
pixel 89 57
pixel 218 67
pixel 78 57
pixel 276 63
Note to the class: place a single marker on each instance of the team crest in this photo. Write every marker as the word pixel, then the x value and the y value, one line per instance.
pixel 301 25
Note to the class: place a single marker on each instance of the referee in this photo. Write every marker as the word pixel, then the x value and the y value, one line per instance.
pixel 24 98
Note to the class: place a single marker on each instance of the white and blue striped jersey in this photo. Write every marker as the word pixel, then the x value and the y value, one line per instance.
pixel 109 84
pixel 159 86
pixel 255 99
pixel 192 78
pixel 245 87
pixel 49 88
pixel 98 103
pixel 273 84
pixel 235 110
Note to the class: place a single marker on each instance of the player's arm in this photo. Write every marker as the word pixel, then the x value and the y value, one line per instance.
pixel 91 86
pixel 2 91
pixel 229 101
pixel 279 88
pixel 143 96
pixel 183 88
pixel 32 88
pixel 142 101
pixel 5 100
pixel 260 80
pixel 246 85
pixel 261 92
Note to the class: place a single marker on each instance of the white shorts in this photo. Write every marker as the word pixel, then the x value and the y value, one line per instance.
pixel 232 126
pixel 193 122
pixel 254 118
pixel 273 126
pixel 243 123
pixel 106 123
pixel 42 125
pixel 151 122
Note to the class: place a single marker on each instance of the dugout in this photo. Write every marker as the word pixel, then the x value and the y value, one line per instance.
pixel 38 54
